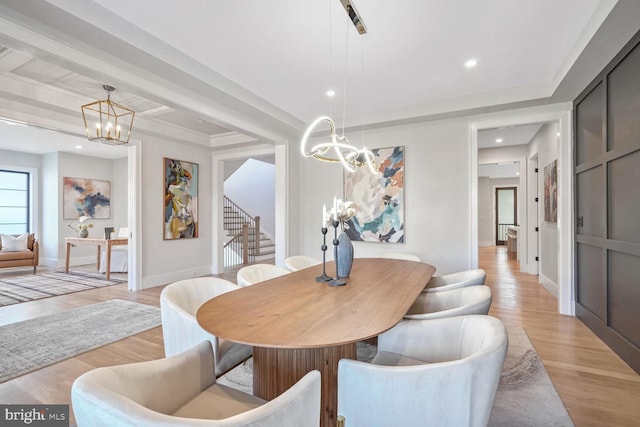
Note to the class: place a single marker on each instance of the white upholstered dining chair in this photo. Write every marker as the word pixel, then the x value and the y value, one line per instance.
pixel 179 303
pixel 181 391
pixel 460 279
pixel 401 255
pixel 456 302
pixel 442 372
pixel 299 262
pixel 119 255
pixel 255 273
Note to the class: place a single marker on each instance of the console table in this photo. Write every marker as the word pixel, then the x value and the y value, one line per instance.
pixel 108 243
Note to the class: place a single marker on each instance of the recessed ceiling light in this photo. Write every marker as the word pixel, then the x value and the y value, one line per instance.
pixel 331 93
pixel 558 134
pixel 518 173
pixel 471 63
pixel 499 140
pixel 78 147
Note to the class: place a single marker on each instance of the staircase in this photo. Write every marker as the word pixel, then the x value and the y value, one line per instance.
pixel 257 250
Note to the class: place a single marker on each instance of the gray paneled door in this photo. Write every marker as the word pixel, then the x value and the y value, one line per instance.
pixel 607 204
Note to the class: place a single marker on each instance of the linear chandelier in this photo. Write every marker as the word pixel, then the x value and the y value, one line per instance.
pixel 338 149
pixel 106 121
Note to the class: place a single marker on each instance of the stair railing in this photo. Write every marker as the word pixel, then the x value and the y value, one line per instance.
pixel 235 246
pixel 246 239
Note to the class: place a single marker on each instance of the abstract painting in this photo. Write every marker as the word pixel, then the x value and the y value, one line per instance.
pixel 88 197
pixel 180 199
pixel 551 192
pixel 377 198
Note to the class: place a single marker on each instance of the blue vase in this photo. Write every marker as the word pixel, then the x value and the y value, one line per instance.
pixel 345 255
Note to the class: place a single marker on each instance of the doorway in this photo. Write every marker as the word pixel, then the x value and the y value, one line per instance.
pixel 506 209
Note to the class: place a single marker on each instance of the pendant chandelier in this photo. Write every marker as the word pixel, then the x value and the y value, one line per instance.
pixel 338 149
pixel 106 121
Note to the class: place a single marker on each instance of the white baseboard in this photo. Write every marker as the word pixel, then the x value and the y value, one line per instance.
pixel 548 284
pixel 48 262
pixel 486 244
pixel 83 260
pixel 174 276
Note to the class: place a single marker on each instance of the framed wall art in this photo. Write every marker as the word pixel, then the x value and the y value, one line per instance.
pixel 551 192
pixel 86 197
pixel 180 199
pixel 377 198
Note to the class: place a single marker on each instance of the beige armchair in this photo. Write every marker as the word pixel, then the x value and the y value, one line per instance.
pixel 442 372
pixel 181 391
pixel 179 304
pixel 456 302
pixel 460 279
pixel 255 273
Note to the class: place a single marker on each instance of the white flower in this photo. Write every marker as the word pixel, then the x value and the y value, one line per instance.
pixel 343 212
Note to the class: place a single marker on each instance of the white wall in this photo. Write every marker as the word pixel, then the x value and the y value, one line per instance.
pixel 485 212
pixel 437 194
pixel 26 162
pixel 546 142
pixel 119 190
pixel 252 187
pixel 230 166
pixel 165 261
pixel 17 159
pixel 51 211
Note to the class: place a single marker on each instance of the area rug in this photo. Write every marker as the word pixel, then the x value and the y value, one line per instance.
pixel 526 396
pixel 31 287
pixel 36 343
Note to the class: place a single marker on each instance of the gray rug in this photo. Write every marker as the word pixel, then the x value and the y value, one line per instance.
pixel 29 287
pixel 526 396
pixel 36 343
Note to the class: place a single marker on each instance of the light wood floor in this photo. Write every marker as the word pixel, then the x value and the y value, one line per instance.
pixel 597 387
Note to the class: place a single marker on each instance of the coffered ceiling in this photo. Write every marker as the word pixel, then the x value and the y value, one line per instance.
pixel 219 73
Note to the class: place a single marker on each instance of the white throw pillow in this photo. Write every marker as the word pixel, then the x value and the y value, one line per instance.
pixel 14 244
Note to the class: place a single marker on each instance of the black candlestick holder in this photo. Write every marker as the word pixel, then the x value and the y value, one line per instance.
pixel 337 281
pixel 324 277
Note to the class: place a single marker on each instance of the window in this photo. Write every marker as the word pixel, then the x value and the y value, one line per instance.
pixel 14 202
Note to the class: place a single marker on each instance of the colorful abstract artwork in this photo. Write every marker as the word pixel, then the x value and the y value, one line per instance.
pixel 377 198
pixel 551 192
pixel 86 197
pixel 180 199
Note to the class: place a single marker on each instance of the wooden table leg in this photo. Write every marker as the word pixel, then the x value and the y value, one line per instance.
pixel 98 261
pixel 108 266
pixel 66 262
pixel 277 369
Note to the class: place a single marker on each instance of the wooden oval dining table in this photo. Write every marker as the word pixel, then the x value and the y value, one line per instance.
pixel 296 324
